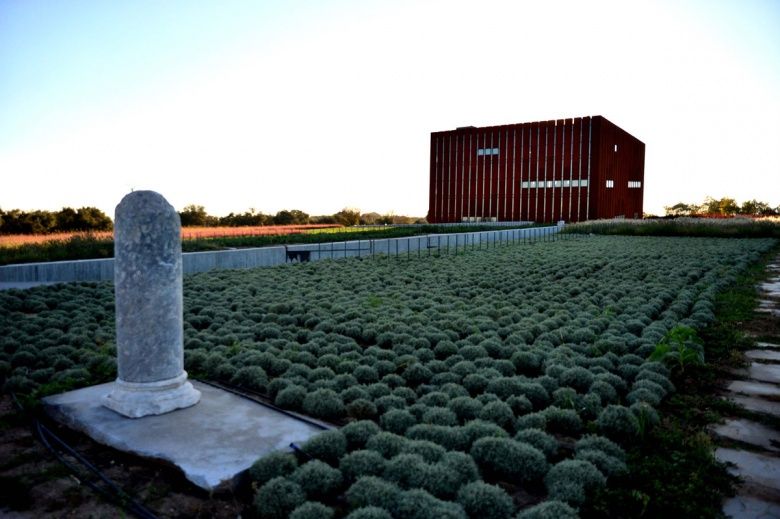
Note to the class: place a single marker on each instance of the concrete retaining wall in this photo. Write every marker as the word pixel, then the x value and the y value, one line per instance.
pixel 103 269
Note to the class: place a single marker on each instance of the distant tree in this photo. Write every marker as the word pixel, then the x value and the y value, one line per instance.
pixel 756 208
pixel 323 219
pixel 67 219
pixel 679 209
pixel 194 216
pixel 348 217
pixel 728 206
pixel 284 217
pixel 93 219
pixel 370 218
pixel 299 217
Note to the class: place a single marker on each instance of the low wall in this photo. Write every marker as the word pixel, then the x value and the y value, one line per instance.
pixel 192 262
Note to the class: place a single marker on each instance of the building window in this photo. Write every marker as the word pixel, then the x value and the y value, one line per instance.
pixel 566 183
pixel 634 184
pixel 583 183
pixel 610 184
pixel 525 185
pixel 615 148
pixel 486 151
pixel 558 183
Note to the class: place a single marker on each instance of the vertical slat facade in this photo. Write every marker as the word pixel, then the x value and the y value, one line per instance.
pixel 540 171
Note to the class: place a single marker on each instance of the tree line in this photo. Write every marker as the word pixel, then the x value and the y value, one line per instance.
pixel 89 219
pixel 722 207
pixel 66 219
pixel 197 216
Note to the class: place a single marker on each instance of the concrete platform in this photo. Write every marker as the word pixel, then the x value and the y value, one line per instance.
pixel 212 442
pixel 767 345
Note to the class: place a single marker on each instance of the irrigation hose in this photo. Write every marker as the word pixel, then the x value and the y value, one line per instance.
pixel 247 394
pixel 113 493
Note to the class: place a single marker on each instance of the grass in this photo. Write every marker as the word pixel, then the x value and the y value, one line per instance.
pixel 673 471
pixel 92 246
pixel 689 227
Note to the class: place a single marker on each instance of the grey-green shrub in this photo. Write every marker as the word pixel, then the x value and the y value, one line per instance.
pixel 565 421
pixel 607 465
pixel 539 439
pixel 373 491
pixel 551 509
pixel 439 416
pixel 358 433
pixel 406 470
pixel 499 413
pixel 388 402
pixel 572 480
pixel 448 437
pixel 327 446
pixel 435 399
pixel 277 498
pixel 361 409
pixel 429 451
pixel 312 510
pixel 510 458
pixel 273 465
pixel 600 443
pixel 317 479
pixel 361 463
pixel 484 501
pixel 369 512
pixel 476 429
pixel 419 504
pixel 465 408
pixel 323 403
pixel 618 423
pixel 578 378
pixel 397 421
pixel 531 421
pixel 386 443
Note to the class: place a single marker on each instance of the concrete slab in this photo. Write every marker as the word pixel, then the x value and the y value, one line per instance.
pixel 764 373
pixel 757 405
pixel 765 355
pixel 748 431
pixel 750 507
pixel 768 345
pixel 771 287
pixel 760 472
pixel 759 389
pixel 212 442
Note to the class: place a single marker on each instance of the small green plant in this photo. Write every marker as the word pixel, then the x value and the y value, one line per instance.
pixel 680 347
pixel 317 479
pixel 509 458
pixel 312 510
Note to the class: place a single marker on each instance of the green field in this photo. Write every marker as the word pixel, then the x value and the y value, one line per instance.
pixel 488 384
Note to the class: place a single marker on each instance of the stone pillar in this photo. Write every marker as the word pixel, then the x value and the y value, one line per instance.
pixel 149 323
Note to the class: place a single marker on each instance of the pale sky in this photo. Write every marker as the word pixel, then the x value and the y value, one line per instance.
pixel 321 105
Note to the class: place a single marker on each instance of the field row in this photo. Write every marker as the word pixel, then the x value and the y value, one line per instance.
pixel 488 384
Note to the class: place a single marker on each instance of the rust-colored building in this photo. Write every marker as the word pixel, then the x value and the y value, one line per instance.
pixel 570 169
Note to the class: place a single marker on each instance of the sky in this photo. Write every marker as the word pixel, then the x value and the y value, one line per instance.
pixel 322 105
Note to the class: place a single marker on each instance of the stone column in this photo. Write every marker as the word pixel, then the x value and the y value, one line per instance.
pixel 149 323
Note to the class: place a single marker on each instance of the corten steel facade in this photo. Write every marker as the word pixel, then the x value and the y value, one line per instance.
pixel 571 169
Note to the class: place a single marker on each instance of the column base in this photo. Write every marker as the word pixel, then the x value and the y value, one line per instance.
pixel 137 399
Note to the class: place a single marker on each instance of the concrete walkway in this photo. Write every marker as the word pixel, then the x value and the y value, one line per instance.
pixel 752 445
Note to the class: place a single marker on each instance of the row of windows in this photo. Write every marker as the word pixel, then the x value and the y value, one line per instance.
pixel 487 151
pixel 554 183
pixel 632 184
